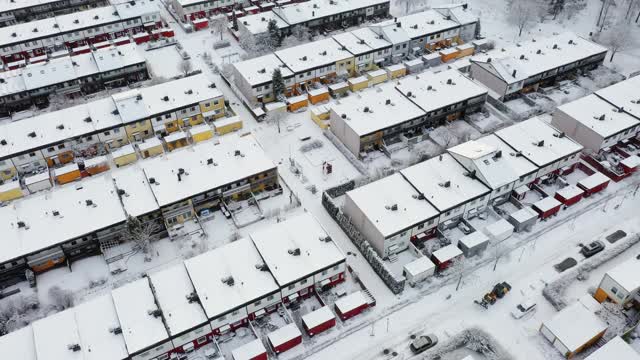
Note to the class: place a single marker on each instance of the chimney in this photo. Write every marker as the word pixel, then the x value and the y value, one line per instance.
pixel 514 72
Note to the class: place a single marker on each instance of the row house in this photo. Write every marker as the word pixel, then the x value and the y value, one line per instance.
pixel 257 26
pixel 546 147
pixel 185 320
pixel 254 78
pixel 381 54
pixel 71 76
pixel 90 330
pixel 141 321
pixel 317 62
pixel 301 256
pixel 448 186
pixel 539 62
pixel 193 181
pixel 365 121
pixel 595 123
pixel 190 10
pixel 405 110
pixel 77 30
pixel 184 307
pixel 50 229
pixel 57 138
pixel 241 290
pixel 21 11
pixel 169 107
pixel 325 15
pixel 492 162
pixel 364 54
pixel 392 219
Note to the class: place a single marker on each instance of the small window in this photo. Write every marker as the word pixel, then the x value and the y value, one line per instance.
pixel 614 290
pixel 291 286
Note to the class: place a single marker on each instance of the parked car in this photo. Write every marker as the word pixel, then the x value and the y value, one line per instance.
pixel 423 343
pixel 523 309
pixel 592 249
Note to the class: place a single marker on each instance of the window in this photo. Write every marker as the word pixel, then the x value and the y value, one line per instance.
pixel 421 226
pixel 201 340
pixel 32 154
pixel 166 116
pixel 304 281
pixel 614 290
pixel 107 133
pixel 291 287
pixel 270 297
pixel 51 149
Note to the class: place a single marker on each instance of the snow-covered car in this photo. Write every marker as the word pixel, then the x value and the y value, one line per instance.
pixel 523 309
pixel 592 249
pixel 423 343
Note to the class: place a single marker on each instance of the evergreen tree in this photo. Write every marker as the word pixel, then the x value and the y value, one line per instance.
pixel 274 34
pixel 278 84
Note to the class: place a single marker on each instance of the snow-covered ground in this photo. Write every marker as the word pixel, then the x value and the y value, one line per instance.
pixel 436 307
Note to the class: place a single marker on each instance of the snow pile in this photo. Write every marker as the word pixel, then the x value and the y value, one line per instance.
pixel 476 340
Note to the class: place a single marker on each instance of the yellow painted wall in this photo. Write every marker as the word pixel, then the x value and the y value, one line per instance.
pixel 398 73
pixel 8 173
pixel 177 144
pixel 227 128
pixel 202 136
pixel 152 151
pixel 322 119
pixel 358 86
pixel 374 80
pixel 214 104
pixel 174 125
pixel 349 64
pixel 126 159
pixel 11 194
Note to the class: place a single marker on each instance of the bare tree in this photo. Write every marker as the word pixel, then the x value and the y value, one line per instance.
pixel 61 298
pixel 459 269
pixel 618 37
pixel 524 13
pixel 411 5
pixel 141 234
pixel 185 67
pixel 498 251
pixel 276 117
pixel 219 24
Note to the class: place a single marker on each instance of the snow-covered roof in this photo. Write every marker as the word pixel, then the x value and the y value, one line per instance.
pixel 149 143
pixel 30 180
pixel 594 180
pixel 623 95
pixel 319 91
pixel 87 19
pixel 423 23
pixel 175 136
pixel 50 72
pixel 616 348
pixel 10 185
pixel 474 239
pixel 598 115
pixel 547 204
pixel 237 260
pixel 138 198
pixel 55 127
pixel 523 215
pixel 373 40
pixel 140 328
pixel 570 191
pixel 43 229
pixel 259 70
pixel 538 56
pixel 11 82
pixel 318 317
pixel 316 9
pixel 499 228
pixel 433 91
pixel 392 32
pixel 574 326
pixel 444 182
pixel 375 109
pixel 117 57
pixel 228 167
pixel 123 151
pixel 518 164
pixel 249 351
pixel 226 121
pixel 284 334
pixel 279 243
pixel 12 5
pixel 459 12
pixel 626 274
pixel 419 266
pixel 137 104
pixel 492 168
pixel 353 44
pixel 69 168
pixel 199 129
pixel 351 301
pixel 135 9
pixel 96 161
pixel 392 191
pixel 24 32
pixel 313 54
pixel 54 335
pixel 171 287
pixel 259 23
pixel 447 253
pixel 538 141
pixel 96 321
pixel 632 161
pixel 18 344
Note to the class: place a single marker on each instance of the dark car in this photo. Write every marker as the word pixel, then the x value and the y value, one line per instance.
pixel 423 343
pixel 592 249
